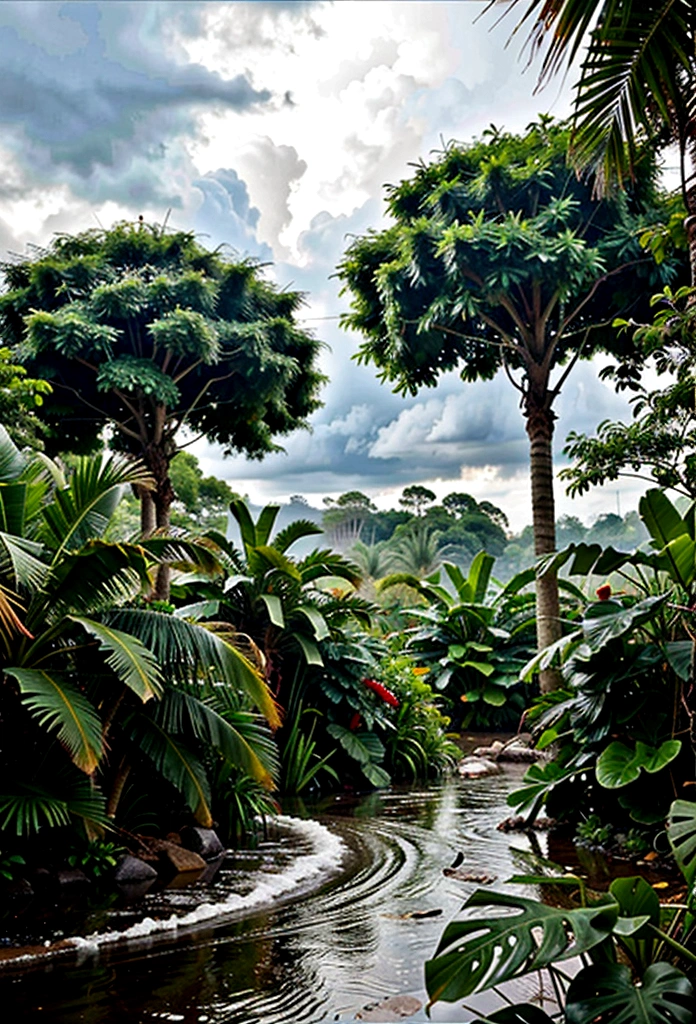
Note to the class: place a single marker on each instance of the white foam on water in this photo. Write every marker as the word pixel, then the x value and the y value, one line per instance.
pixel 326 856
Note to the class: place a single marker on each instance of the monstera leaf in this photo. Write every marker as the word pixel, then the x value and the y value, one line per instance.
pixel 682 837
pixel 481 952
pixel 605 994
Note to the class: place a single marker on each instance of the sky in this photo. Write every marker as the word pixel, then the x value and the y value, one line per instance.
pixel 273 128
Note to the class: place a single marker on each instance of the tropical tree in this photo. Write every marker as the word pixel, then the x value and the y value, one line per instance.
pixel 346 517
pixel 499 259
pixel 416 498
pixel 21 398
pixel 148 333
pixel 86 670
pixel 637 80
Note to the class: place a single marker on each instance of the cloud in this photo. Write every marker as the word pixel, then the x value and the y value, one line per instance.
pixel 226 215
pixel 272 171
pixel 97 93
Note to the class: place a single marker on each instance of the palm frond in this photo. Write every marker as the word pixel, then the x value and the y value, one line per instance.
pixel 94 577
pixel 293 532
pixel 59 707
pixel 12 462
pixel 183 713
pixel 10 622
pixel 82 510
pixel 184 555
pixel 174 762
pixel 187 650
pixel 20 562
pixel 134 664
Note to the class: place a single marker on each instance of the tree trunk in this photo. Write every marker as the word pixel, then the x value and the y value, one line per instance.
pixel 539 425
pixel 155 508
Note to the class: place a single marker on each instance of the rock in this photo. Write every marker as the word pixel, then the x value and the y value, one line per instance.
pixel 212 868
pixel 134 871
pixel 477 767
pixel 492 752
pixel 182 860
pixel 72 878
pixel 519 753
pixel 389 1010
pixel 203 841
pixel 520 824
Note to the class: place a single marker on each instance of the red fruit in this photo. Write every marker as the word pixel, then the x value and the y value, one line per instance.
pixel 603 592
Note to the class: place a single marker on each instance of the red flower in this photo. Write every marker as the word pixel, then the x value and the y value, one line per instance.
pixel 603 592
pixel 354 722
pixel 382 692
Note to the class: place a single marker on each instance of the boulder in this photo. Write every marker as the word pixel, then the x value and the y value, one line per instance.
pixel 133 871
pixel 477 767
pixel 72 878
pixel 177 857
pixel 203 841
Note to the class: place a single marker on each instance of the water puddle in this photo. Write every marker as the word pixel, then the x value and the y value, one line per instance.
pixel 343 918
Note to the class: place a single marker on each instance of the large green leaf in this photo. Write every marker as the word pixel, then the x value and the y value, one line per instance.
pixel 519 1013
pixel 82 510
pixel 315 619
pixel 639 908
pixel 20 561
pixel 93 578
pixel 59 707
pixel 608 620
pixel 661 518
pixel 184 713
pixel 135 665
pixel 12 462
pixel 480 952
pixel 606 994
pixel 174 761
pixel 274 607
pixel 293 532
pixel 681 832
pixel 619 765
pixel 186 650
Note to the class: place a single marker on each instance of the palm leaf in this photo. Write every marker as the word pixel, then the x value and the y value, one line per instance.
pixel 95 577
pixel 82 510
pixel 265 523
pixel 174 762
pixel 245 522
pixel 30 807
pixel 12 462
pixel 59 707
pixel 20 562
pixel 185 555
pixel 135 665
pixel 293 532
pixel 186 650
pixel 183 713
pixel 484 951
pixel 9 619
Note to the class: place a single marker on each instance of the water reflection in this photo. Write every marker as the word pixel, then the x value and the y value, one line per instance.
pixel 321 958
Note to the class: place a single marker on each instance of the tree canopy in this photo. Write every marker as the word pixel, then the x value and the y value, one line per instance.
pixel 499 258
pixel 148 332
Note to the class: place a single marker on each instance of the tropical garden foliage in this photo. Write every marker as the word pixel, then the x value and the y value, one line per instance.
pixel 146 332
pixel 100 689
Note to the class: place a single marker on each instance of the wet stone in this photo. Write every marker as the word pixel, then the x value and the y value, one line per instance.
pixel 203 841
pixel 134 871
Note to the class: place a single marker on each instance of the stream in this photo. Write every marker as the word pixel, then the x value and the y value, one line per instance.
pixel 318 923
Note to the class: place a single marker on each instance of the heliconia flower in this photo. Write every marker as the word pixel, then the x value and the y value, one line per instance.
pixel 382 692
pixel 603 592
pixel 354 722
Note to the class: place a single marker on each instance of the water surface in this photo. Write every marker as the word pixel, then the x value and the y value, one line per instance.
pixel 319 952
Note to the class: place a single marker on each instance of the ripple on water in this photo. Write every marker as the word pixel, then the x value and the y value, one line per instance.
pixel 348 942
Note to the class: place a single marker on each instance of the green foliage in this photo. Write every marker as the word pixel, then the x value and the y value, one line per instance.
pixel 621 724
pixel 21 398
pixel 85 670
pixel 473 643
pixel 96 858
pixel 660 440
pixel 517 935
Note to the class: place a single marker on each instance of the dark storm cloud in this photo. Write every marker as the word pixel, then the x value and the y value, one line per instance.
pixel 97 92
